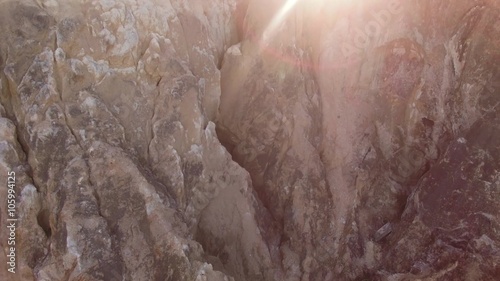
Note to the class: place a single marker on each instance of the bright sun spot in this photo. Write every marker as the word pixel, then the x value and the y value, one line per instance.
pixel 277 19
pixel 283 12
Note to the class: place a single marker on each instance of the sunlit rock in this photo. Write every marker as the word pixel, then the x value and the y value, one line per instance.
pixel 297 140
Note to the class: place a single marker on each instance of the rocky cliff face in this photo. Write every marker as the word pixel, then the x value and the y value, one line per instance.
pixel 251 140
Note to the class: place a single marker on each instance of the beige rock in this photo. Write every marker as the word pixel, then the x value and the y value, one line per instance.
pixel 251 140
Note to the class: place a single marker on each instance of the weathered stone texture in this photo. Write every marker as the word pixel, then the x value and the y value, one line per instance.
pixel 207 140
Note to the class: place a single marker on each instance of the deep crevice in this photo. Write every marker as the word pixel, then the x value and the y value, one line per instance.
pixel 43 219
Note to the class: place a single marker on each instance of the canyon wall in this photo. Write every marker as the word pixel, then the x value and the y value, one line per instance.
pixel 251 140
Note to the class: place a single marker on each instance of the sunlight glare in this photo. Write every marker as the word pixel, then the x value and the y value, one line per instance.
pixel 278 19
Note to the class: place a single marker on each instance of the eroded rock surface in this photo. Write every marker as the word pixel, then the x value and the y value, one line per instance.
pixel 214 140
pixel 117 160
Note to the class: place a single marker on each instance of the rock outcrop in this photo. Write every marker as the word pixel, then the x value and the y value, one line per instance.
pixel 251 140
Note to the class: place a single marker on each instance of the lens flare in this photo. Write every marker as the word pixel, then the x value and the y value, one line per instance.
pixel 277 20
pixel 320 9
